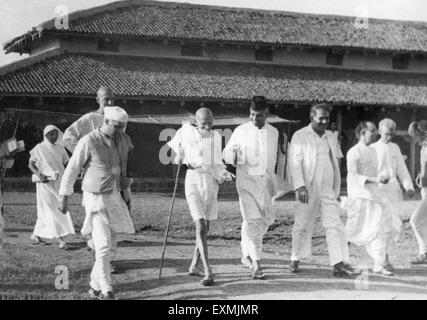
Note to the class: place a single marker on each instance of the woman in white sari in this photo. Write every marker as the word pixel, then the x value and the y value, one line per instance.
pixel 364 204
pixel 47 162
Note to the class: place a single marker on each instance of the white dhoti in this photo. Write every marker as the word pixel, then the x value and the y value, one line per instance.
pixel 106 216
pixel 321 199
pixel 365 227
pixel 390 224
pixel 201 193
pixel 51 223
pixel 418 223
pixel 255 200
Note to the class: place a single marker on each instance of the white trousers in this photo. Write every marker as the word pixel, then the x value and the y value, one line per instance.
pixel 105 243
pixel 418 222
pixel 321 199
pixel 253 231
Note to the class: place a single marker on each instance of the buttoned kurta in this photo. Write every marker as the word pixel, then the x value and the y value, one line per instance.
pixel 101 186
pixel 107 214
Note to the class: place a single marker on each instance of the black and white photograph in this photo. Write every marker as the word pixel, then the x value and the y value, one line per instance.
pixel 223 150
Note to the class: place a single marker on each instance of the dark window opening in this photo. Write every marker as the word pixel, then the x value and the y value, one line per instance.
pixel 192 50
pixel 401 61
pixel 334 58
pixel 105 44
pixel 264 54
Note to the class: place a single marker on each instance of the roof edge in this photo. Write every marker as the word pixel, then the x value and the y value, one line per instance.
pixel 50 24
pixel 26 62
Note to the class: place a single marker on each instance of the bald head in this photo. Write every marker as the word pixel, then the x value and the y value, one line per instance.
pixel 104 97
pixel 204 119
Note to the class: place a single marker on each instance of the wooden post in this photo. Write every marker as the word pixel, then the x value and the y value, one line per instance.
pixel 412 151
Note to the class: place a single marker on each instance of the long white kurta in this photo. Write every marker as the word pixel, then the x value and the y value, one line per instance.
pixel 364 204
pixel 392 164
pixel 110 204
pixel 51 223
pixel 313 164
pixel 203 156
pixel 254 181
pixel 418 219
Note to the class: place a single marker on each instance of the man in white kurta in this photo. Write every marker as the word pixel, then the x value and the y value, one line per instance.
pixel 418 221
pixel 392 165
pixel 252 148
pixel 107 214
pixel 316 179
pixel 199 148
pixel 90 121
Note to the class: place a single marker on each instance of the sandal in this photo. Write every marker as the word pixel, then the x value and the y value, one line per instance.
pixel 37 241
pixel 209 281
pixel 258 275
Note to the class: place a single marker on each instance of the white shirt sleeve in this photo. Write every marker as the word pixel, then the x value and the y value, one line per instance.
pixel 79 158
pixel 228 154
pixel 354 176
pixel 296 162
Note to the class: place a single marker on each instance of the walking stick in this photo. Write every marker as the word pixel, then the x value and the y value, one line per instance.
pixel 169 219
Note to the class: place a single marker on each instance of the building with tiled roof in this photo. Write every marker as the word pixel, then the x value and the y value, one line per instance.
pixel 170 58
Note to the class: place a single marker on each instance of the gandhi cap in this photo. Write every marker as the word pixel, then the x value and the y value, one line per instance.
pixel 116 113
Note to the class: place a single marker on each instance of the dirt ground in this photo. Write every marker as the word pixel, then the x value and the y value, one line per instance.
pixel 28 271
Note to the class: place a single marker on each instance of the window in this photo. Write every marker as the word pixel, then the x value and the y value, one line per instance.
pixel 401 61
pixel 106 44
pixel 334 58
pixel 192 50
pixel 264 54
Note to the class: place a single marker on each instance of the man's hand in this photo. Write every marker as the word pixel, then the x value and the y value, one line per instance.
pixel 384 180
pixel 228 176
pixel 410 193
pixel 301 195
pixel 63 207
pixel 42 177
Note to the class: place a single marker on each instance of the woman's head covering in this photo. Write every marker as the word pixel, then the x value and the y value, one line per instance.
pixel 50 128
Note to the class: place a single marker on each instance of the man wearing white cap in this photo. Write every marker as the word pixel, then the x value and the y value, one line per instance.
pixel 107 214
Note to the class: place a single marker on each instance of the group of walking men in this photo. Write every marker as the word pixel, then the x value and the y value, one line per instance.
pixel 100 148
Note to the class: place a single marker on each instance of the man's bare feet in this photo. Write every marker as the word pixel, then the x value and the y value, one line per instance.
pixel 195 271
pixel 247 262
